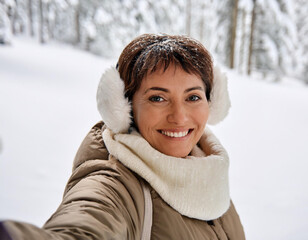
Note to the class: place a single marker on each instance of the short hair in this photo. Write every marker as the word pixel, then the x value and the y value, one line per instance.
pixel 150 52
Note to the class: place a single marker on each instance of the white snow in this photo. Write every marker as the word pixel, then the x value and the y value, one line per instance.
pixel 90 29
pixel 47 102
pixel 73 2
pixel 102 16
pixel 271 50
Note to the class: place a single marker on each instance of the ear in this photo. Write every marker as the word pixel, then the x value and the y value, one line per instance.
pixel 219 104
pixel 112 105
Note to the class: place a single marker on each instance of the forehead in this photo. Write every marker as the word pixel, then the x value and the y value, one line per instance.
pixel 174 76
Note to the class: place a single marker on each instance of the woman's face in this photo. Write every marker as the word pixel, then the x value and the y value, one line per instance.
pixel 171 110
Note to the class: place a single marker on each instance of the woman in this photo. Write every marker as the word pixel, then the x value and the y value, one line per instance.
pixel 152 170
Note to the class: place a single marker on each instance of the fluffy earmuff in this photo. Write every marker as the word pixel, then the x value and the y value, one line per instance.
pixel 115 109
pixel 219 101
pixel 112 105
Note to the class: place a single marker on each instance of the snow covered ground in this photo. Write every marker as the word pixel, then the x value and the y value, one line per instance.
pixel 47 105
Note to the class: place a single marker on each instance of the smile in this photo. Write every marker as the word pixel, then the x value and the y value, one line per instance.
pixel 175 134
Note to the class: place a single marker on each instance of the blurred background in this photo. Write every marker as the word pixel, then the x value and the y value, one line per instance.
pixel 269 37
pixel 53 52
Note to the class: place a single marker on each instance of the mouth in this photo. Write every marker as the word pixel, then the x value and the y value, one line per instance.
pixel 176 134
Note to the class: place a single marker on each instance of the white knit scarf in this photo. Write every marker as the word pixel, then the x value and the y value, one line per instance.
pixel 195 186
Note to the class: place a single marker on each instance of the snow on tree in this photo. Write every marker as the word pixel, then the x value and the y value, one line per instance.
pixel 274 37
pixel 204 22
pixel 301 10
pixel 5 24
pixel 243 35
pixel 223 29
pixel 104 27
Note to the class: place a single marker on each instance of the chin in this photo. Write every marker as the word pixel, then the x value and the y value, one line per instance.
pixel 178 154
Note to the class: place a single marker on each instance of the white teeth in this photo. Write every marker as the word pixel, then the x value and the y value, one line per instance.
pixel 175 134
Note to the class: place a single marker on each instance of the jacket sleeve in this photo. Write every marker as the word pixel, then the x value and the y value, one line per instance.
pixel 102 200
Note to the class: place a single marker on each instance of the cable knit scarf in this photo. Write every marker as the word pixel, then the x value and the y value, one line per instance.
pixel 195 186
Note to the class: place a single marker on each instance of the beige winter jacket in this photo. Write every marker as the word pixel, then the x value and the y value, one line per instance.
pixel 104 200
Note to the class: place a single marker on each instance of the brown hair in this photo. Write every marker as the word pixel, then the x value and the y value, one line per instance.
pixel 150 52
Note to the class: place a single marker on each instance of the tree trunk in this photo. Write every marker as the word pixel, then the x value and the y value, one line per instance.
pixel 243 42
pixel 233 32
pixel 253 19
pixel 202 20
pixel 41 22
pixel 188 16
pixel 30 17
pixel 47 22
pixel 13 15
pixel 77 23
pixel 51 24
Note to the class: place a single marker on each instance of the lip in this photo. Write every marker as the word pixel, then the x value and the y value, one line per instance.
pixel 172 132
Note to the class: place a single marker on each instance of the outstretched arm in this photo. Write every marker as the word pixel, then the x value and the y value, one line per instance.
pixel 102 200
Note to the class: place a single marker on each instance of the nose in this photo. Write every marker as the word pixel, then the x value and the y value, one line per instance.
pixel 177 114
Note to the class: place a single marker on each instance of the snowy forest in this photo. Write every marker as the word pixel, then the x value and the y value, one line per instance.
pixel 52 55
pixel 268 37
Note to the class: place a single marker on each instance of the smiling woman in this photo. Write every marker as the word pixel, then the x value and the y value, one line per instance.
pixel 152 169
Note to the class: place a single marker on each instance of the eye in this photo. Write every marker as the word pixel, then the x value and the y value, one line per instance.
pixel 194 98
pixel 156 99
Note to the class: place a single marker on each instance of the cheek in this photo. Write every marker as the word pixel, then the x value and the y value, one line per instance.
pixel 144 116
pixel 202 114
pixel 147 124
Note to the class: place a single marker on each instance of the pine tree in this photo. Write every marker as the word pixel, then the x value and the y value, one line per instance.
pixel 301 7
pixel 274 38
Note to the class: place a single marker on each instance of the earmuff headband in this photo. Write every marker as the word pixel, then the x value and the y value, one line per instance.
pixel 115 108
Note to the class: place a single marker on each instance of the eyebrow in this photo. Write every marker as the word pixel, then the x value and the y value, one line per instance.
pixel 166 90
pixel 157 89
pixel 194 88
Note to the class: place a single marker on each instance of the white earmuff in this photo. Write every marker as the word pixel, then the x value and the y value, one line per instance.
pixel 219 101
pixel 112 105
